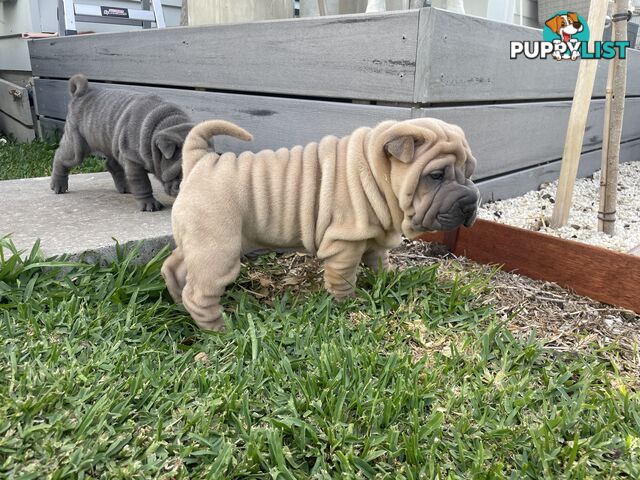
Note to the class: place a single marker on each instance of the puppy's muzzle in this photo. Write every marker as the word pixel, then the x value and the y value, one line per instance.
pixel 462 212
pixel 172 188
pixel 454 206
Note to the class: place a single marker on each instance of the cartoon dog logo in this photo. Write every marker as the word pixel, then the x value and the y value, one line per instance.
pixel 565 26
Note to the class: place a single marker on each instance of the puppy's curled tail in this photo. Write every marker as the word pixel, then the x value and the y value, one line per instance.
pixel 78 85
pixel 197 142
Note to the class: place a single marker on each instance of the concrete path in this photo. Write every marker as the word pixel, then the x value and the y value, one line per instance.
pixel 88 219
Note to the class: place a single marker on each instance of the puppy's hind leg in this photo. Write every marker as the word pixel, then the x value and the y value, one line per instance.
pixel 70 152
pixel 117 173
pixel 211 265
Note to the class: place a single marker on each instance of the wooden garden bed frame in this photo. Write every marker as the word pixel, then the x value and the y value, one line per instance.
pixel 601 274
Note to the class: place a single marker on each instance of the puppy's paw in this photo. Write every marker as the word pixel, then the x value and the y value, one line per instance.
pixel 212 321
pixel 341 293
pixel 215 326
pixel 59 184
pixel 150 205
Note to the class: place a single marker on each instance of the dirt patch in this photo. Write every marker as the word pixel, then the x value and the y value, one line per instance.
pixel 568 322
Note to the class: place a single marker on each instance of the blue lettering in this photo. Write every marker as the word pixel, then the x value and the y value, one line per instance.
pixel 608 50
pixel 584 51
pixel 622 48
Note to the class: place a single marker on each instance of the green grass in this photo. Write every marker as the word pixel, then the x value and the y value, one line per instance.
pixel 101 376
pixel 22 160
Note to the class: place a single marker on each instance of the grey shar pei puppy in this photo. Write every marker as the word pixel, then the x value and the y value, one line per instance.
pixel 347 200
pixel 138 134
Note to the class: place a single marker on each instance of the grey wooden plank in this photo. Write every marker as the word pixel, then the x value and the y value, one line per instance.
pixel 349 56
pixel 464 58
pixel 504 138
pixel 274 122
pixel 50 128
pixel 14 101
pixel 509 137
pixel 10 126
pixel 517 183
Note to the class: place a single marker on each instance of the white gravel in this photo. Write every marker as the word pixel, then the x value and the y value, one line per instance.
pixel 533 211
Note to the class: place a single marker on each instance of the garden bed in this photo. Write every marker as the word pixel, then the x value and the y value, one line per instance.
pixel 598 273
pixel 533 210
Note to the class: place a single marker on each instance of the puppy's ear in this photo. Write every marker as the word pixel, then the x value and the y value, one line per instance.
pixel 573 17
pixel 166 148
pixel 401 148
pixel 554 23
pixel 170 139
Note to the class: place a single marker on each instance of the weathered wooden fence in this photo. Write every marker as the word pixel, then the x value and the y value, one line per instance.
pixel 15 111
pixel 292 81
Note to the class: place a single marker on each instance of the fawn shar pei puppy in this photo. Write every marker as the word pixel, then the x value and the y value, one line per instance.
pixel 347 200
pixel 137 133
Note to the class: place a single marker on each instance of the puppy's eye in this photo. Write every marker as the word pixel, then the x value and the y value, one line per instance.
pixel 439 175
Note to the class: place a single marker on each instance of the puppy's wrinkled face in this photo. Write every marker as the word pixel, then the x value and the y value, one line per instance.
pixel 441 202
pixel 434 191
pixel 167 156
pixel 171 172
pixel 172 187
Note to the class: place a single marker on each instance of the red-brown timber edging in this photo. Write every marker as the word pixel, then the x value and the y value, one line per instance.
pixel 598 273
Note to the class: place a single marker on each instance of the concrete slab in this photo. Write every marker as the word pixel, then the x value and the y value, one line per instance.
pixel 86 220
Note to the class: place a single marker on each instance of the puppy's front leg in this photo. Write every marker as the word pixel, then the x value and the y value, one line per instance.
pixel 138 180
pixel 377 259
pixel 117 173
pixel 340 270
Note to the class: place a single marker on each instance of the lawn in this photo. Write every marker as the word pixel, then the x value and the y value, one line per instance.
pixel 19 160
pixel 101 375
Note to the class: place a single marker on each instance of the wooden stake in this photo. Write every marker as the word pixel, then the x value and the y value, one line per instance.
pixel 184 13
pixel 578 118
pixel 605 138
pixel 613 132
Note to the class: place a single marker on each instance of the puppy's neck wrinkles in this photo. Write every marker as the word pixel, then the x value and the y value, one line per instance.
pixel 354 197
pixel 374 173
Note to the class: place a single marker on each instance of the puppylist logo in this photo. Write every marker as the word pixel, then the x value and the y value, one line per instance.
pixel 565 36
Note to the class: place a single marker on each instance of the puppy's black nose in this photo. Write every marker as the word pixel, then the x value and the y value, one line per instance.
pixel 469 211
pixel 469 208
